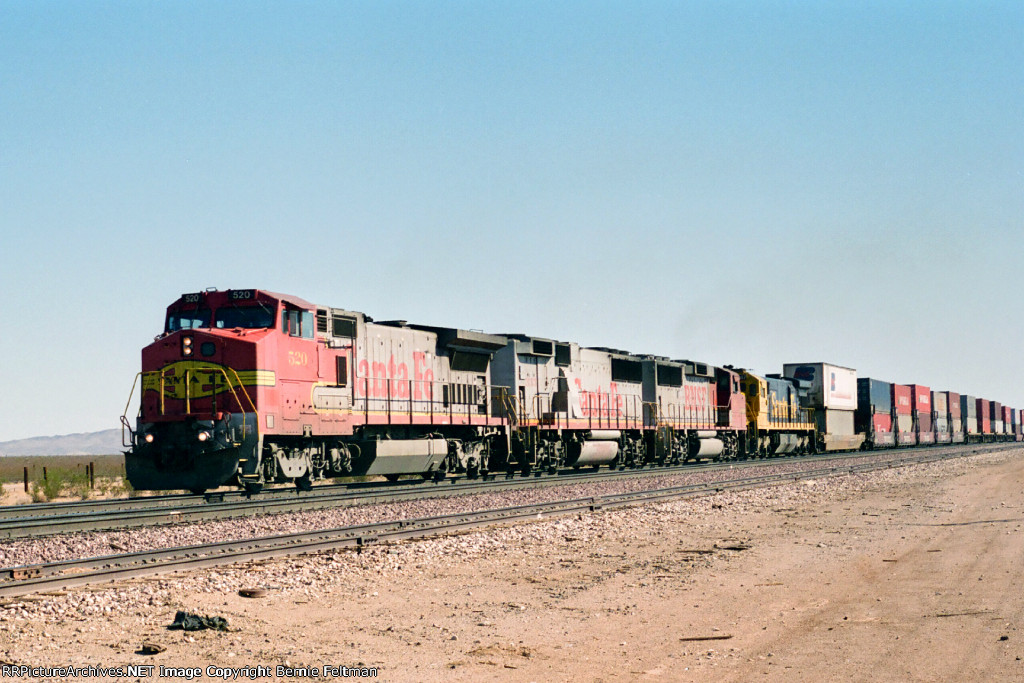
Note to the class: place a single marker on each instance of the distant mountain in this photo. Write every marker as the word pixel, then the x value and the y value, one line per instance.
pixel 106 442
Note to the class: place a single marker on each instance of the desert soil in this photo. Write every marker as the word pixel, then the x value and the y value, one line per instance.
pixel 909 575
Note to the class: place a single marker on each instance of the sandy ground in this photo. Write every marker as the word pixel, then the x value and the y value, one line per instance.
pixel 15 494
pixel 906 576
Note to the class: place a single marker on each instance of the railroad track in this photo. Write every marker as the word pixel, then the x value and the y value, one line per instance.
pixel 39 520
pixel 71 573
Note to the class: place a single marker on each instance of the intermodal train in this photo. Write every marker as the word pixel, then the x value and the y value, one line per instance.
pixel 246 387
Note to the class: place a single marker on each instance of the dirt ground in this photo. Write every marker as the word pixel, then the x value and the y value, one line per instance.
pixel 13 493
pixel 914 576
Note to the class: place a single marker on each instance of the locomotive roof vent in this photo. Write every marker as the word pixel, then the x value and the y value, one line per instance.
pixel 609 350
pixel 467 340
pixel 698 369
pixel 394 323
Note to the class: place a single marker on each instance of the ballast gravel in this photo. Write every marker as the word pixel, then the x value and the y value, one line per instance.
pixel 314 575
pixel 81 545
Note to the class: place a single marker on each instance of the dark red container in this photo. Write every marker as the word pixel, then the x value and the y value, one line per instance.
pixel 984 416
pixel 901 401
pixel 995 410
pixel 1007 420
pixel 954 404
pixel 882 422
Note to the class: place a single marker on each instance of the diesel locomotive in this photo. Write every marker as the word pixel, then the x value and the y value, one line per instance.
pixel 247 387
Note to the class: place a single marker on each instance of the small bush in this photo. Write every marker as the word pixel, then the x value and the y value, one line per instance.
pixel 37 493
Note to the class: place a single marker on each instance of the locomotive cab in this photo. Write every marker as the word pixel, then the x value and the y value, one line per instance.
pixel 202 384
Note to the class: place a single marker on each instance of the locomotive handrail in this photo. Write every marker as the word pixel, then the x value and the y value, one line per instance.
pixel 382 395
pixel 252 403
pixel 690 416
pixel 124 415
pixel 786 415
pixel 604 413
pixel 213 372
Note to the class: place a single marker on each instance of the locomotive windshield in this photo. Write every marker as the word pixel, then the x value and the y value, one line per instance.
pixel 188 320
pixel 225 317
pixel 250 317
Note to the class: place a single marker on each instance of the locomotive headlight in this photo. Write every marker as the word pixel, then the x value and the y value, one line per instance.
pixel 149 438
pixel 186 346
pixel 203 436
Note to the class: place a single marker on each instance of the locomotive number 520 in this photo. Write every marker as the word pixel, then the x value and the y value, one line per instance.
pixel 298 358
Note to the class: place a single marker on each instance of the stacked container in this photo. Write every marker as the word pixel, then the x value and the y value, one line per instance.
pixel 969 414
pixel 1018 431
pixel 874 413
pixel 940 416
pixel 921 400
pixel 903 415
pixel 1008 428
pixel 984 419
pixel 995 412
pixel 832 393
pixel 956 422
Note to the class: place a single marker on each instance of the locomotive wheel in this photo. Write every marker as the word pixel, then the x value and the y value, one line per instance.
pixel 304 483
pixel 198 492
pixel 253 488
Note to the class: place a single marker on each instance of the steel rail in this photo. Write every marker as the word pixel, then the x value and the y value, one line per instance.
pixel 183 509
pixel 71 573
pixel 56 509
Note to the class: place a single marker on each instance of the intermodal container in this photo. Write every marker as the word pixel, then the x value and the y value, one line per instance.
pixel 873 399
pixel 968 406
pixel 1007 420
pixel 901 401
pixel 954 405
pixel 831 386
pixel 873 396
pixel 984 416
pixel 874 412
pixel 903 415
pixel 995 414
pixel 882 423
pixel 921 400
pixel 956 424
pixel 969 414
pixel 940 416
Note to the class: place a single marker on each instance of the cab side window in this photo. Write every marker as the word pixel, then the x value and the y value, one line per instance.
pixel 297 323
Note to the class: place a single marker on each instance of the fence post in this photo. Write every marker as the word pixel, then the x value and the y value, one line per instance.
pixel 92 475
pixel 44 474
pixel 26 480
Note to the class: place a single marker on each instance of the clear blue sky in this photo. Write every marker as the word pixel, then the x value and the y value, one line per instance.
pixel 738 182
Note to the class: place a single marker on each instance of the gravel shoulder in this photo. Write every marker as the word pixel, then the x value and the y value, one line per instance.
pixel 909 574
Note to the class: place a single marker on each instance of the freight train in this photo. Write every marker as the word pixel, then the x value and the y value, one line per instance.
pixel 247 387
